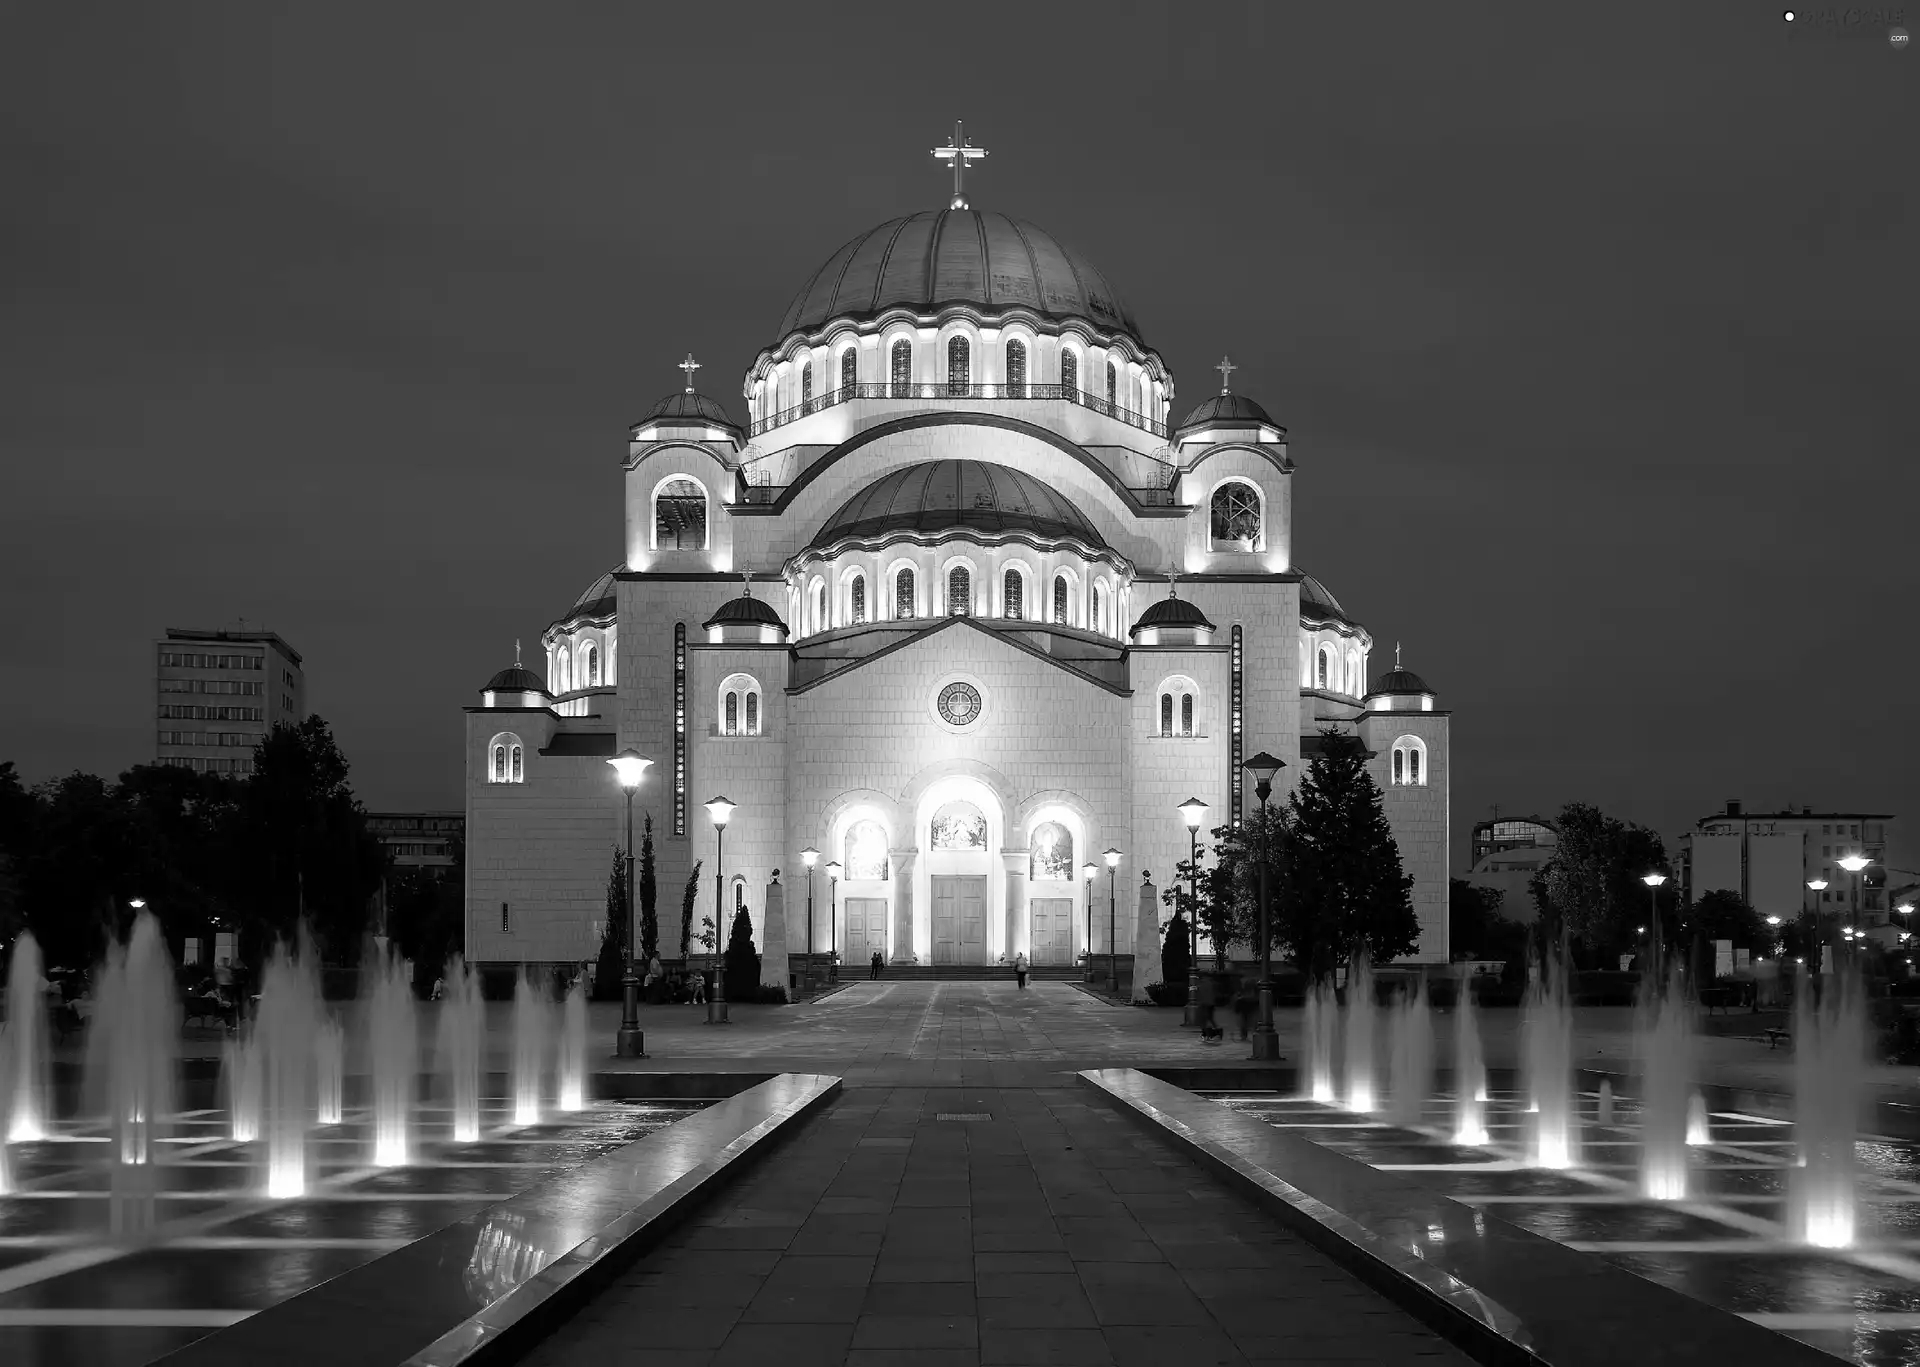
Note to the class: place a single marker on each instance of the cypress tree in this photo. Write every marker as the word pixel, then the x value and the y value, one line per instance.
pixel 1347 888
pixel 649 895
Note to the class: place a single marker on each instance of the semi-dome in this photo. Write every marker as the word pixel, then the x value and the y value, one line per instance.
pixel 599 600
pixel 1172 612
pixel 1399 680
pixel 1227 410
pixel 956 256
pixel 688 406
pixel 515 679
pixel 958 495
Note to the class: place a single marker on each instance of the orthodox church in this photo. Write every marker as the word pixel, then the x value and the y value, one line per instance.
pixel 964 608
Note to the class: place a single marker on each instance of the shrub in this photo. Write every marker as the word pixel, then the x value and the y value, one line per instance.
pixel 1168 994
pixel 1176 955
pixel 743 960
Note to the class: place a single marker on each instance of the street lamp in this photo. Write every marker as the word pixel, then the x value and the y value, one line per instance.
pixel 1266 1044
pixel 1855 864
pixel 1112 856
pixel 833 921
pixel 719 809
pixel 1819 885
pixel 1653 882
pixel 1192 811
pixel 631 766
pixel 807 857
pixel 1087 871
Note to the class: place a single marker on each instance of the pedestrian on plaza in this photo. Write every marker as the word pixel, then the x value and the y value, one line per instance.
pixel 878 963
pixel 1020 970
pixel 699 989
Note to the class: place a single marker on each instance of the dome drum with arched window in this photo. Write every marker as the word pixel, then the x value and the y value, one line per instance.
pixel 745 620
pixel 515 686
pixel 1173 621
pixel 1400 690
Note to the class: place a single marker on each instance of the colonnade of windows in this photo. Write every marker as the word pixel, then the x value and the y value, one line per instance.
pixel 840 596
pixel 1333 666
pixel 583 664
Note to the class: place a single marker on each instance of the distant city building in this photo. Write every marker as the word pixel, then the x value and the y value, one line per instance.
pixel 219 693
pixel 1770 857
pixel 1507 852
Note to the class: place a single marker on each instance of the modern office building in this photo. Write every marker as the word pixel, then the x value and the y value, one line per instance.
pixel 219 693
pixel 1507 852
pixel 1769 858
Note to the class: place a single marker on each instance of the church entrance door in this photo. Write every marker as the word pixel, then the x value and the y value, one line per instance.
pixel 1052 930
pixel 866 931
pixel 959 920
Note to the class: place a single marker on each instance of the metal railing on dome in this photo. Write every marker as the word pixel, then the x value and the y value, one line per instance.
pixel 1051 392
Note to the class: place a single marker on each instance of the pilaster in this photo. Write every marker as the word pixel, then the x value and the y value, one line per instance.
pixel 900 866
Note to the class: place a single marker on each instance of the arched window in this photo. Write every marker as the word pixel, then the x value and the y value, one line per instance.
pixel 1013 592
pixel 1070 373
pixel 730 718
pixel 866 852
pixel 857 599
pixel 1356 678
pixel 1113 383
pixel 903 594
pixel 1410 762
pixel 563 671
pixel 739 699
pixel 1186 714
pixel 680 516
pixel 1236 517
pixel 1099 618
pixel 753 714
pixel 806 387
pixel 593 665
pixel 1016 369
pixel 1166 714
pixel 818 604
pixel 1060 600
pixel 959 366
pixel 1050 856
pixel 1321 671
pixel 849 367
pixel 959 592
pixel 504 750
pixel 901 364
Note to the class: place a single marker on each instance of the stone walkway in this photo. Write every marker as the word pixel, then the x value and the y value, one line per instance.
pixel 1016 1223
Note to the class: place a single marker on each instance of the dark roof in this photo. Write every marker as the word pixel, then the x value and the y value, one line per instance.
pixel 580 743
pixel 1229 409
pixel 514 679
pixel 1315 600
pixel 951 495
pixel 685 404
pixel 1400 681
pixel 956 256
pixel 1172 612
pixel 599 600
pixel 744 609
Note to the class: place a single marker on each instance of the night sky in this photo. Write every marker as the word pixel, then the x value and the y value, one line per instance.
pixel 1595 329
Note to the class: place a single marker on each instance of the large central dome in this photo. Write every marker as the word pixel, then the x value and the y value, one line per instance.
pixel 956 256
pixel 953 495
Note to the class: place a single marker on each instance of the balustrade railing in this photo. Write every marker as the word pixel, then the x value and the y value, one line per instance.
pixel 937 390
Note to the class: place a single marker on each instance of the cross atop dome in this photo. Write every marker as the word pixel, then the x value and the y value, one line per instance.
pixel 1226 368
pixel 516 652
pixel 957 154
pixel 746 583
pixel 689 365
pixel 1396 655
pixel 1173 581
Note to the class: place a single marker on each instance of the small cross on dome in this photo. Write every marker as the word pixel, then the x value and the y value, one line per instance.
pixel 957 154
pixel 1396 655
pixel 746 583
pixel 516 652
pixel 1173 581
pixel 689 365
pixel 1225 368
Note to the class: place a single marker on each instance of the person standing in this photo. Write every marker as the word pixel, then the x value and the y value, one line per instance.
pixel 1020 970
pixel 873 970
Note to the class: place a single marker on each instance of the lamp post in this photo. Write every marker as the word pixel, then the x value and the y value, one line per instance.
pixel 719 809
pixel 1087 871
pixel 1856 864
pixel 1191 812
pixel 1653 882
pixel 1818 885
pixel 1266 1043
pixel 807 857
pixel 1112 856
pixel 632 767
pixel 833 921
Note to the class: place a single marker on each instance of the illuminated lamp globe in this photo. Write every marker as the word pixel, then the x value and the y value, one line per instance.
pixel 1088 870
pixel 631 766
pixel 1112 857
pixel 1191 812
pixel 1653 880
pixel 720 809
pixel 1853 863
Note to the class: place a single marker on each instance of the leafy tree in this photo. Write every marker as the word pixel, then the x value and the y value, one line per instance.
pixel 76 880
pixel 1724 915
pixel 1231 892
pixel 687 900
pixel 1176 955
pixel 1590 892
pixel 649 914
pixel 743 960
pixel 1476 928
pixel 1190 894
pixel 1345 888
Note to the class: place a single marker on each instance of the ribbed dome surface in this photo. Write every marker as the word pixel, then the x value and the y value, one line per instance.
pixel 1227 409
pixel 1401 681
pixel 1172 612
pixel 956 256
pixel 745 610
pixel 514 679
pixel 690 406
pixel 954 495
pixel 599 600
pixel 1314 595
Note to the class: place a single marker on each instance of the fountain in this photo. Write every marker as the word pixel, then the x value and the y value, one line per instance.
pixel 1699 1129
pixel 393 1043
pixel 1829 1056
pixel 24 1047
pixel 1548 1027
pixel 462 1035
pixel 1469 1071
pixel 132 1052
pixel 1603 1104
pixel 284 1051
pixel 329 1068
pixel 573 1049
pixel 1361 1011
pixel 1412 1056
pixel 1663 1041
pixel 240 1079
pixel 1319 1028
pixel 530 1035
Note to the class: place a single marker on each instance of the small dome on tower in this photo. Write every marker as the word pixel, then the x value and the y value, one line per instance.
pixel 689 406
pixel 1227 410
pixel 515 679
pixel 1397 680
pixel 745 611
pixel 1172 612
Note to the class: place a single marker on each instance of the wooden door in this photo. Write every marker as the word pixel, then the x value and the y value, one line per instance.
pixel 1052 930
pixel 973 920
pixel 866 931
pixel 959 920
